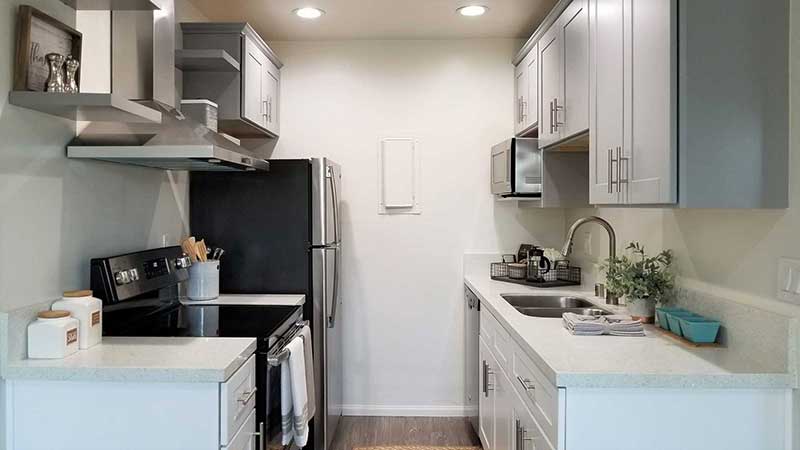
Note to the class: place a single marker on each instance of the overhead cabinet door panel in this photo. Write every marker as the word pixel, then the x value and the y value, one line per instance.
pixel 607 78
pixel 550 81
pixel 572 114
pixel 253 105
pixel 651 168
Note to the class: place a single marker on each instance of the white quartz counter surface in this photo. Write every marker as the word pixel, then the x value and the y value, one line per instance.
pixel 143 359
pixel 609 361
pixel 251 300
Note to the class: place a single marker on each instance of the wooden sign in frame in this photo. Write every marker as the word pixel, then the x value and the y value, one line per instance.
pixel 37 35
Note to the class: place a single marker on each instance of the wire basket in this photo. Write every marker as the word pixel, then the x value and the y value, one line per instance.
pixel 561 275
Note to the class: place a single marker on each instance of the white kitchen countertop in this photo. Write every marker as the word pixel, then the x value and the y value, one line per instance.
pixel 620 362
pixel 143 359
pixel 252 300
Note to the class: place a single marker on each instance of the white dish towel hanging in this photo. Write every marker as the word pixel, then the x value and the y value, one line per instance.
pixel 294 395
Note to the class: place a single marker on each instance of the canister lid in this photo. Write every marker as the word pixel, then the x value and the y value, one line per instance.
pixel 55 314
pixel 75 294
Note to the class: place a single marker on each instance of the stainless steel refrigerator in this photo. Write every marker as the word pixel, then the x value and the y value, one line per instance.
pixel 281 231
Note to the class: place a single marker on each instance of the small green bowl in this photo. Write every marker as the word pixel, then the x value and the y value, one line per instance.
pixel 661 315
pixel 699 330
pixel 673 319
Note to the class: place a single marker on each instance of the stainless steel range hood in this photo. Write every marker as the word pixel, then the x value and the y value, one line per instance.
pixel 177 143
pixel 143 66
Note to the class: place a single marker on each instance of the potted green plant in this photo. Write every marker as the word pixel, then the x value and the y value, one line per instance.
pixel 643 280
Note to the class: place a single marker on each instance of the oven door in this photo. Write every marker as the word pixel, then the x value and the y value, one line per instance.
pixel 502 167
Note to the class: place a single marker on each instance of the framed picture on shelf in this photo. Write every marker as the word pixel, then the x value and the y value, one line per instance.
pixel 37 35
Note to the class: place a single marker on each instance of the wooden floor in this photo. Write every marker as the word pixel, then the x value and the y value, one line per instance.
pixel 355 432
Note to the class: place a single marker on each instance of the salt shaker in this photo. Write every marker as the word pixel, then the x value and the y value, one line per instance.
pixel 55 80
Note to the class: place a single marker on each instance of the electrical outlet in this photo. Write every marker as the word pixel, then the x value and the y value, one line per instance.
pixel 587 243
pixel 788 283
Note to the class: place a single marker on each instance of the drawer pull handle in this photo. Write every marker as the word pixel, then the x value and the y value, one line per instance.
pixel 247 396
pixel 526 383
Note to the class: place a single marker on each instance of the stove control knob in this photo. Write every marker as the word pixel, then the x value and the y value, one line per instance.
pixel 184 262
pixel 133 274
pixel 122 277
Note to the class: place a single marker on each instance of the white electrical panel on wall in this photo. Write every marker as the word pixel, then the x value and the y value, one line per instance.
pixel 399 176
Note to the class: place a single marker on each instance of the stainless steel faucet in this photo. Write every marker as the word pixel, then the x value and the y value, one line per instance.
pixel 611 298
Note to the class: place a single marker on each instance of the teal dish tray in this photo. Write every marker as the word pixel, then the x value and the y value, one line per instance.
pixel 699 330
pixel 661 316
pixel 673 320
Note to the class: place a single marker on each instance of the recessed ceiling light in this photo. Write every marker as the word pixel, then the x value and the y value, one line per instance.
pixel 309 13
pixel 472 10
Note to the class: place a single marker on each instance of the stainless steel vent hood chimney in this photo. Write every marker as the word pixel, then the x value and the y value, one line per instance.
pixel 143 67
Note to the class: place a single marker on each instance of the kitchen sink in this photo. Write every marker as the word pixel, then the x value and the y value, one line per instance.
pixel 552 305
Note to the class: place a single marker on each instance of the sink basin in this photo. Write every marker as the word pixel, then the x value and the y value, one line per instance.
pixel 552 305
pixel 546 301
pixel 558 312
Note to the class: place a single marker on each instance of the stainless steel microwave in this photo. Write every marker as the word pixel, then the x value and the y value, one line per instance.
pixel 517 168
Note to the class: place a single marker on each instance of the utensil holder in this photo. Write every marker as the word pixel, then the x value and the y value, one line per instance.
pixel 203 281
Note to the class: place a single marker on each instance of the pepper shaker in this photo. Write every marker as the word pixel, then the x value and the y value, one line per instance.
pixel 71 86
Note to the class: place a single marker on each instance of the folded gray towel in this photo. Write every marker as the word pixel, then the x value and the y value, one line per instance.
pixel 614 325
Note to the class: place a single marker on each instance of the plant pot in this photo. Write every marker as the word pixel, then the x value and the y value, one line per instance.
pixel 642 309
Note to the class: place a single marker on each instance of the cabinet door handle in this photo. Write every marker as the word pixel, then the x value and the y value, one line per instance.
pixel 518 435
pixel 247 396
pixel 620 160
pixel 610 172
pixel 264 108
pixel 486 373
pixel 524 110
pixel 551 119
pixel 261 435
pixel 526 383
pixel 556 109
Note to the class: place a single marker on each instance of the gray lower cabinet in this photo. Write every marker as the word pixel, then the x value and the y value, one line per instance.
pixel 248 99
pixel 688 106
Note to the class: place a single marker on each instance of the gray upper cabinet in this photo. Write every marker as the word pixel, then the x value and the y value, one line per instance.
pixel 248 99
pixel 526 94
pixel 564 76
pixel 689 107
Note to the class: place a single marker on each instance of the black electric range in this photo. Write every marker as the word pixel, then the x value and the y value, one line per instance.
pixel 141 295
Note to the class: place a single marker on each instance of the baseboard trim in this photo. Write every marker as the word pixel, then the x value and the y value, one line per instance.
pixel 406 410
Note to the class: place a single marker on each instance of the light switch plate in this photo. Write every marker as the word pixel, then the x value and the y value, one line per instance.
pixel 788 282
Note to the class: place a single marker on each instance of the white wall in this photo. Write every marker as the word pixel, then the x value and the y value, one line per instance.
pixel 403 285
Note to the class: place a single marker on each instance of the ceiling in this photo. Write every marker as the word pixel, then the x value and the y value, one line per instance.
pixel 381 19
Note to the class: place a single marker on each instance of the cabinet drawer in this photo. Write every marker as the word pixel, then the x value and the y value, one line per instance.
pixel 237 399
pixel 539 395
pixel 498 340
pixel 245 438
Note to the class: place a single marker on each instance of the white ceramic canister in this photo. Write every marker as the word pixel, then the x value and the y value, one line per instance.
pixel 53 335
pixel 88 310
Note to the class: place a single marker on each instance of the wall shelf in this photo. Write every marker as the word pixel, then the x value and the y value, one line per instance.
pixel 215 60
pixel 113 5
pixel 86 107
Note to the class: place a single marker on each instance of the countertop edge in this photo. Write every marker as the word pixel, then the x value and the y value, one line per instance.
pixel 21 372
pixel 633 381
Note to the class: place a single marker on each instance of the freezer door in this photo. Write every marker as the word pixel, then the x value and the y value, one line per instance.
pixel 326 195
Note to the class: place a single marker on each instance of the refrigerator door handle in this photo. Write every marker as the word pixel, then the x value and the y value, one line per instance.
pixel 335 199
pixel 334 306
